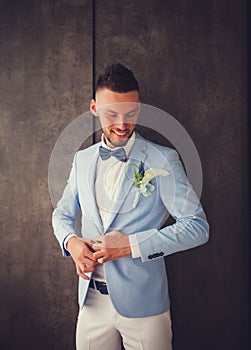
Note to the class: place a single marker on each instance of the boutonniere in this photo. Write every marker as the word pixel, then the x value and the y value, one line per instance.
pixel 142 180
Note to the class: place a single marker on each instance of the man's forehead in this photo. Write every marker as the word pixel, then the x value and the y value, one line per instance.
pixel 120 107
pixel 107 97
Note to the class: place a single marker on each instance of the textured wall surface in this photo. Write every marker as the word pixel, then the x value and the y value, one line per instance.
pixel 190 60
pixel 45 84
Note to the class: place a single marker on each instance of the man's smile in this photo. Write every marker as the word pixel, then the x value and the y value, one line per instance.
pixel 119 133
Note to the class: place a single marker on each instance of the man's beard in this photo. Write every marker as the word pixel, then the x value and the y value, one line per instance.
pixel 119 143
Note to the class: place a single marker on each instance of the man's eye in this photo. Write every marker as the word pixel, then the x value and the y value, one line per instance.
pixel 110 114
pixel 131 114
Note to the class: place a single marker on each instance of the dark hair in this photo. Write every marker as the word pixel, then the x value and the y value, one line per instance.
pixel 117 78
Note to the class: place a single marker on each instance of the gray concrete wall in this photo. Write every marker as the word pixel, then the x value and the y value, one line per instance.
pixel 46 73
pixel 190 59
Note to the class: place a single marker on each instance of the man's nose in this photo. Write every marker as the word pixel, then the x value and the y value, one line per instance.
pixel 121 122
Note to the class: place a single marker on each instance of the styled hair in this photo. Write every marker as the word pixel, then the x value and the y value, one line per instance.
pixel 117 78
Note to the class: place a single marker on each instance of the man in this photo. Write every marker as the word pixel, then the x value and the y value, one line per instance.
pixel 125 186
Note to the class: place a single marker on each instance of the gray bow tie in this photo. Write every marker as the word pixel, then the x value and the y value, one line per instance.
pixel 119 153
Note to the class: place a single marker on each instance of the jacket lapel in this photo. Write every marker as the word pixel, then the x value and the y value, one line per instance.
pixel 91 173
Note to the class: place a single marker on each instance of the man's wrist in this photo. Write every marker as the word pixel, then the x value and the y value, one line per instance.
pixel 67 239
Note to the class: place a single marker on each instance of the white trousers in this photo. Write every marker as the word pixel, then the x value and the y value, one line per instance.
pixel 99 326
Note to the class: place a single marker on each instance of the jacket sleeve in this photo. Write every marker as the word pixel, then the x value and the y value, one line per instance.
pixel 64 215
pixel 190 229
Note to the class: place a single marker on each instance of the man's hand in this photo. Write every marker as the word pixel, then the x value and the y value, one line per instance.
pixel 111 246
pixel 82 255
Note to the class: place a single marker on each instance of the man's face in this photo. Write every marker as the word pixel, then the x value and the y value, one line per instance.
pixel 117 113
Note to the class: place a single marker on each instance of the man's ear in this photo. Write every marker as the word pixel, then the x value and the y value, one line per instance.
pixel 93 107
pixel 139 107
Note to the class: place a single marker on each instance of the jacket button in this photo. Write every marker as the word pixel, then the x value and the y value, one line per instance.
pixel 161 254
pixel 150 256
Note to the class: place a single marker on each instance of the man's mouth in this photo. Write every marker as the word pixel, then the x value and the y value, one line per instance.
pixel 120 133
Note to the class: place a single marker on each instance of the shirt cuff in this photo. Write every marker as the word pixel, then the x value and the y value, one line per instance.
pixel 67 238
pixel 134 246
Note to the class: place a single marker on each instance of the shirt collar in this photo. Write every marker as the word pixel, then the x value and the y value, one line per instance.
pixel 127 147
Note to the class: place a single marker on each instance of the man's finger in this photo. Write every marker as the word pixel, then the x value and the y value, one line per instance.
pixel 91 262
pixel 97 246
pixel 81 274
pixel 89 243
pixel 99 254
pixel 87 268
pixel 87 253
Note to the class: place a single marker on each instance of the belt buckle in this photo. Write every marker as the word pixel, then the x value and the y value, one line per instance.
pixel 102 288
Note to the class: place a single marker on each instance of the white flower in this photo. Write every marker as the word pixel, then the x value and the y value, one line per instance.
pixel 142 178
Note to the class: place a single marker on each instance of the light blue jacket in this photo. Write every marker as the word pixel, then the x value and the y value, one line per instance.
pixel 137 287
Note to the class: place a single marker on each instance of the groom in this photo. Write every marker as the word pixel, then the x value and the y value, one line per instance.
pixel 125 186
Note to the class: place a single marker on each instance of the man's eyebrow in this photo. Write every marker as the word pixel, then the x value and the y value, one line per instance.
pixel 110 111
pixel 133 110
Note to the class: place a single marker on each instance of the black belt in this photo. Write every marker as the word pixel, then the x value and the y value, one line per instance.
pixel 100 286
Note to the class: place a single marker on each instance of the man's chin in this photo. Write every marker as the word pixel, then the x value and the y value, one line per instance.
pixel 119 143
